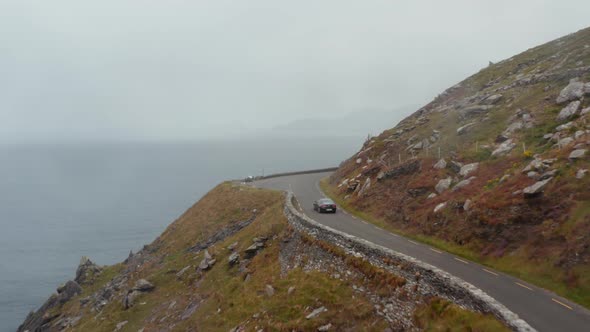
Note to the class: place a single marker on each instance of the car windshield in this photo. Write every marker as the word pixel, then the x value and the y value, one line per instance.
pixel 325 201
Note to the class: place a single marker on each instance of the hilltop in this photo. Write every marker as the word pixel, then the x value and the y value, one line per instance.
pixel 495 169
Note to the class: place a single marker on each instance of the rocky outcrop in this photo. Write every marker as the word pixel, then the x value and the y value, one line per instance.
pixel 504 148
pixel 468 169
pixel 574 90
pixel 141 286
pixel 535 189
pixel 577 154
pixel 443 185
pixel 45 317
pixel 223 234
pixel 569 111
pixel 405 169
pixel 86 271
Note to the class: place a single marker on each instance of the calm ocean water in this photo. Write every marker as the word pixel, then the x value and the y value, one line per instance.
pixel 58 203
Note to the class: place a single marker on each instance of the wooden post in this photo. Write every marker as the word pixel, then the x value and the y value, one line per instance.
pixel 439 152
pixel 400 158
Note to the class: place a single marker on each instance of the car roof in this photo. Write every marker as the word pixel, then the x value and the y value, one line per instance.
pixel 327 200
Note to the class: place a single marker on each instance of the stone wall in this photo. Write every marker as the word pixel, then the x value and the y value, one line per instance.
pixel 437 282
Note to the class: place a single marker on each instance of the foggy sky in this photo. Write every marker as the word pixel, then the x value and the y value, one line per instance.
pixel 165 70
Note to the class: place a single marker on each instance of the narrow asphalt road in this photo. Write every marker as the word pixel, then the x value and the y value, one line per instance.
pixel 540 308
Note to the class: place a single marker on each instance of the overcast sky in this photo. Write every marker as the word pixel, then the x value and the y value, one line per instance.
pixel 116 69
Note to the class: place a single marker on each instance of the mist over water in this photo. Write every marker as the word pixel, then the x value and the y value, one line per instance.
pixel 60 202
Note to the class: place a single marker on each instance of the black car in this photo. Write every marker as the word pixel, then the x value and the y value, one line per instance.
pixel 324 205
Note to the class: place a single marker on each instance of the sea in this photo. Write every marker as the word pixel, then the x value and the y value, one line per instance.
pixel 59 202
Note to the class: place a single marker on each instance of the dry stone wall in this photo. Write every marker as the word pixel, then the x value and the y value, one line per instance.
pixel 437 282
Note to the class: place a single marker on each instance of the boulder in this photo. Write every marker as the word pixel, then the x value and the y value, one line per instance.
pixel 441 164
pixel 233 258
pixel 290 290
pixel 233 246
pixel 129 299
pixel 475 110
pixel 468 169
pixel 365 187
pixel 574 90
pixel 443 185
pixel 535 164
pixel 569 111
pixel 467 205
pixel 577 154
pixel 501 138
pixel 120 325
pixel 535 189
pixel 67 291
pixel 439 207
pixel 86 270
pixel 585 110
pixel 504 148
pixel 581 173
pixel 512 128
pixel 493 99
pixel 204 265
pixel 269 290
pixel 463 129
pixel 455 166
pixel 143 285
pixel 251 250
pixel 548 175
pixel 432 195
pixel 316 313
pixel 579 134
pixel 463 183
pixel 325 328
pixel 565 126
pixel 565 142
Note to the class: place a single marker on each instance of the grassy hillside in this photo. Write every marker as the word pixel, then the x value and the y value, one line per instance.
pixel 493 169
pixel 184 280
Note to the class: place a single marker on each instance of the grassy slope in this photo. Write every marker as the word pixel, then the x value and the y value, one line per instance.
pixel 224 299
pixel 543 241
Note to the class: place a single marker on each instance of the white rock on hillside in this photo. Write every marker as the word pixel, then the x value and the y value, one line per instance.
pixel 463 129
pixel 441 164
pixel 535 189
pixel 504 148
pixel 440 207
pixel 577 154
pixel 570 110
pixel 443 185
pixel 468 169
pixel 574 90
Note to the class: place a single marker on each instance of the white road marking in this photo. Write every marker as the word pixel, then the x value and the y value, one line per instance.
pixel 437 251
pixel 561 303
pixel 416 243
pixel 491 272
pixel 461 260
pixel 523 286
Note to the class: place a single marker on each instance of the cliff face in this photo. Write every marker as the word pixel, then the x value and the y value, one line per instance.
pixel 232 262
pixel 494 168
